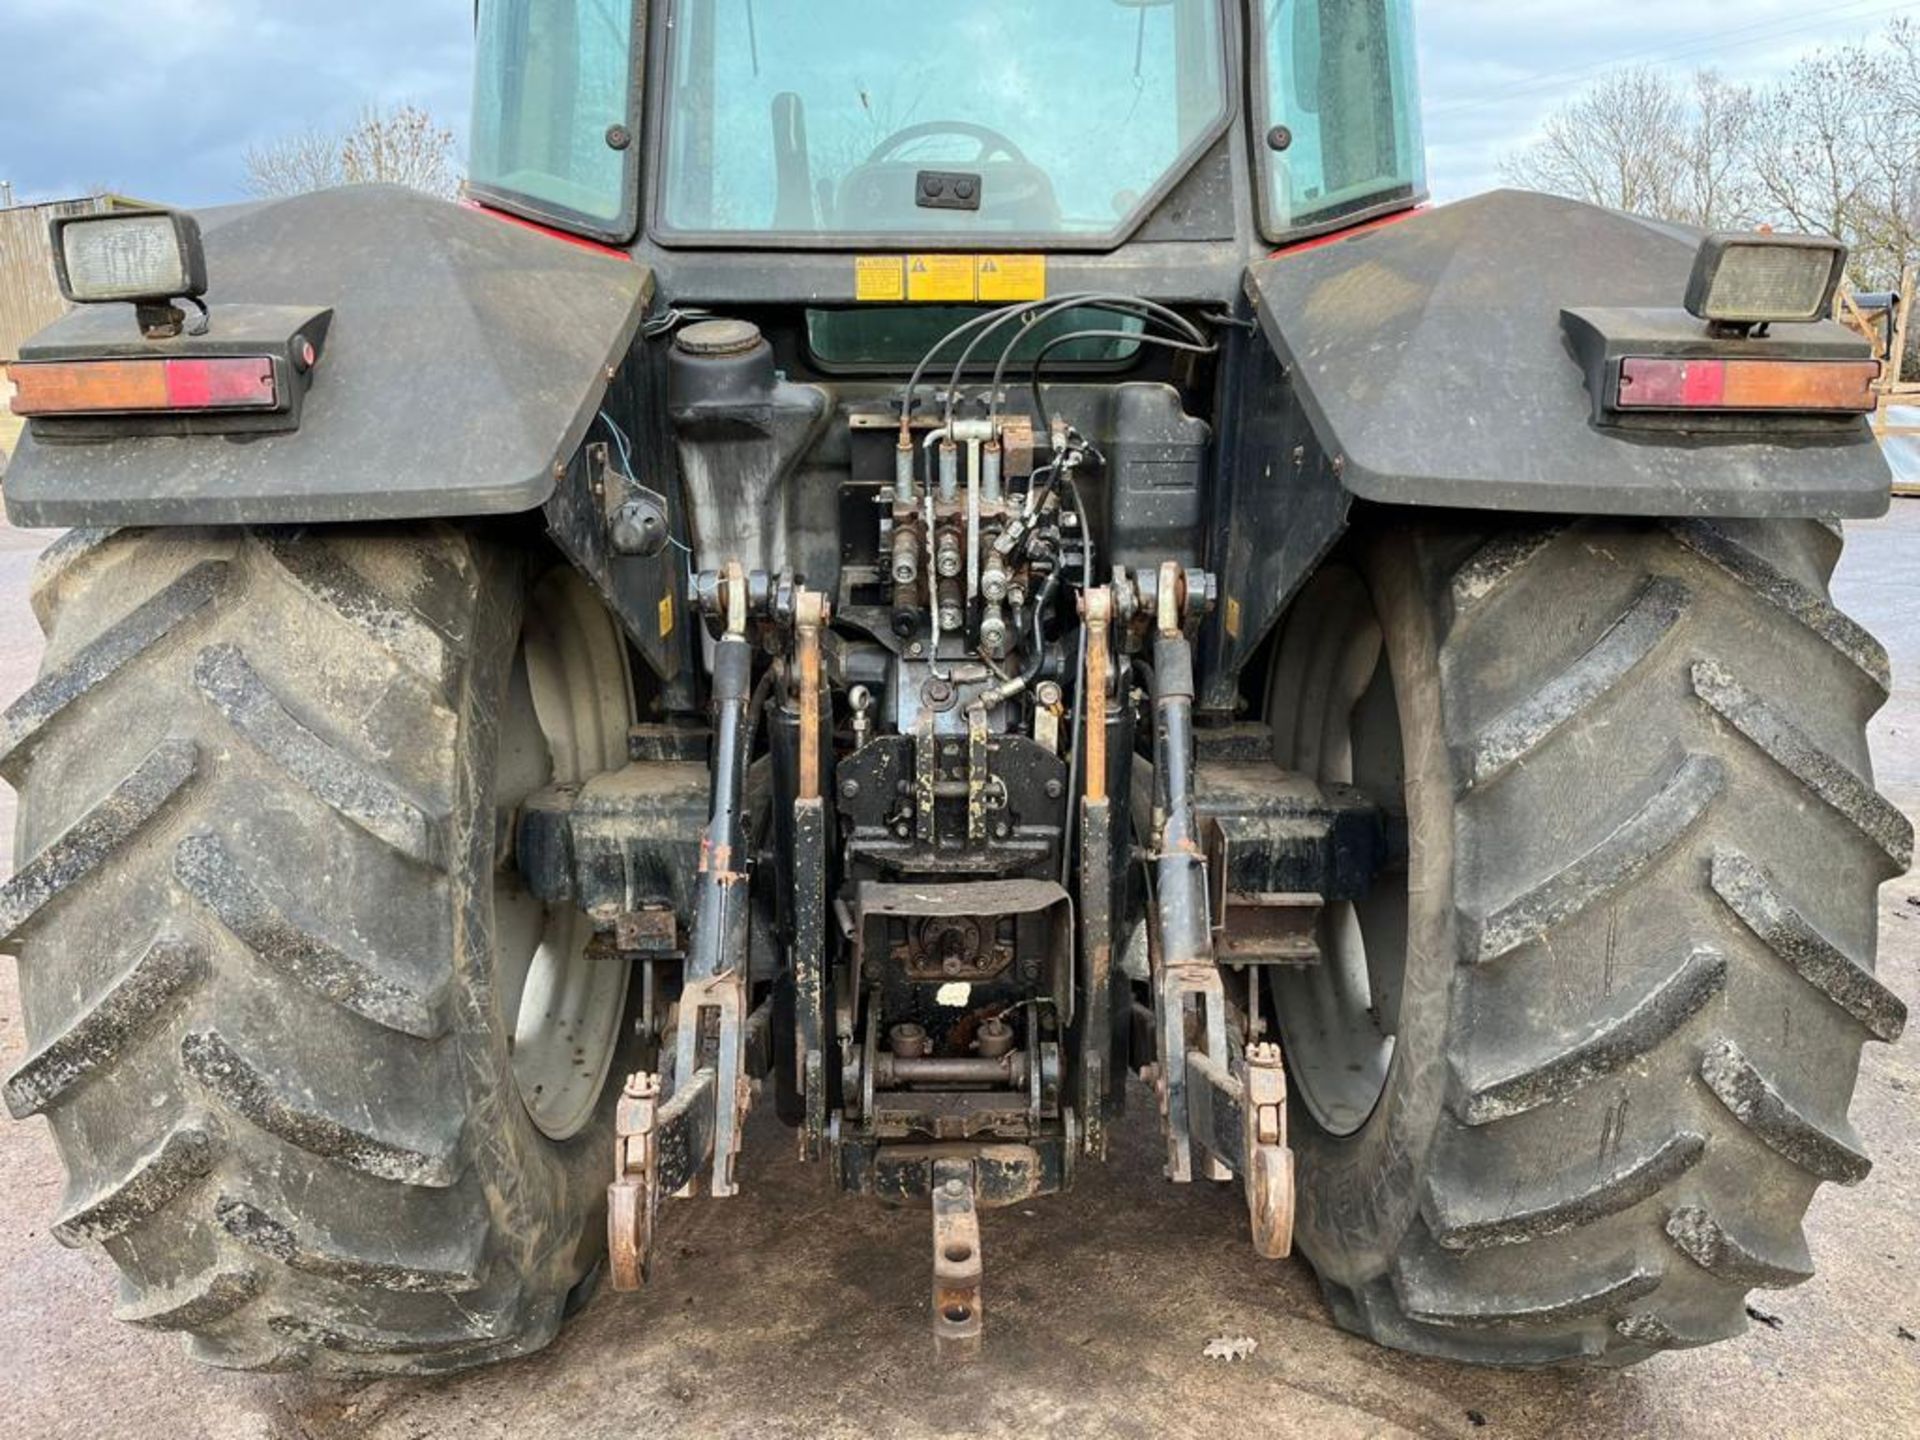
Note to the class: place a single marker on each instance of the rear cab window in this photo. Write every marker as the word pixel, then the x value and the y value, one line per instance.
pixel 788 122
pixel 889 338
pixel 554 113
pixel 1342 100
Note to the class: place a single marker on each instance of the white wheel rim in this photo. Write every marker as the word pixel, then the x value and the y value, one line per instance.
pixel 1334 719
pixel 568 710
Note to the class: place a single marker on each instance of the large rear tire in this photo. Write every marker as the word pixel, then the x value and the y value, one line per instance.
pixel 321 1077
pixel 1565 1088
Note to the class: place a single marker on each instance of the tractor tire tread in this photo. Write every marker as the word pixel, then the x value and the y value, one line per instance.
pixel 258 1033
pixel 1667 851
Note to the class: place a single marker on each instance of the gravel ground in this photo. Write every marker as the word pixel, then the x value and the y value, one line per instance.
pixel 788 1313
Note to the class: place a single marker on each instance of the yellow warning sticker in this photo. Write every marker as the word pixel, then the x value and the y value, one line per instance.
pixel 666 615
pixel 1233 618
pixel 879 278
pixel 1012 277
pixel 949 279
pixel 941 278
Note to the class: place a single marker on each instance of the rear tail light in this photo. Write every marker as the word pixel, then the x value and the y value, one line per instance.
pixel 1843 386
pixel 133 387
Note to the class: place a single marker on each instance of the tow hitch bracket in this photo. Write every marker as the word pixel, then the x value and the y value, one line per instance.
pixel 957 1319
pixel 1239 1117
pixel 634 1194
pixel 660 1148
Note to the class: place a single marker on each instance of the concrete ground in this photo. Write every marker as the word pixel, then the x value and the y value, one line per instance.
pixel 788 1313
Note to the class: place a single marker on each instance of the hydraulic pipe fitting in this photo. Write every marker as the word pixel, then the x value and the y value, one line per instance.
pixel 993 581
pixel 993 632
pixel 903 469
pixel 949 457
pixel 906 556
pixel 952 608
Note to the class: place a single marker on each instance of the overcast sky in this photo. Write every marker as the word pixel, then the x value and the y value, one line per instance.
pixel 160 98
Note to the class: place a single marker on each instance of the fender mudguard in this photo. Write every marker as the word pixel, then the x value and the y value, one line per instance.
pixel 1424 362
pixel 1430 357
pixel 466 360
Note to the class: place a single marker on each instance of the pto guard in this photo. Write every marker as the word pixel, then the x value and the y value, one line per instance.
pixel 466 361
pixel 1430 357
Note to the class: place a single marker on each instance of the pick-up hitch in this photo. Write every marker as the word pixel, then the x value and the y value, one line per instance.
pixel 1223 1106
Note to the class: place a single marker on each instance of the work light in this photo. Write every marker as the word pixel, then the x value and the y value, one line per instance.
pixel 142 257
pixel 1747 280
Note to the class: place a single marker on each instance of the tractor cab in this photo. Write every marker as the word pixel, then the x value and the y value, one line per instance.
pixel 1087 126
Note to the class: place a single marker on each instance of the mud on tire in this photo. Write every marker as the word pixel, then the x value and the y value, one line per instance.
pixel 1641 974
pixel 252 915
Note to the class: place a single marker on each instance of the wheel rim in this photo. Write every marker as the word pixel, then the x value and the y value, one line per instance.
pixel 1335 718
pixel 566 719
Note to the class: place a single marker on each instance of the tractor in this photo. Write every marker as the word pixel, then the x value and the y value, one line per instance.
pixel 945 572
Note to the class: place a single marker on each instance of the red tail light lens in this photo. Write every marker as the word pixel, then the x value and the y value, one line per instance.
pixel 1700 384
pixel 124 387
pixel 221 385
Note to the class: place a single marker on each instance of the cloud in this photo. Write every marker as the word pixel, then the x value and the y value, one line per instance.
pixel 161 99
pixel 1493 70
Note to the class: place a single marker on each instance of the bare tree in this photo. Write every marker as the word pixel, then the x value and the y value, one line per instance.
pixel 293 165
pixel 1808 139
pixel 1718 187
pixel 1645 142
pixel 402 146
pixel 1832 147
pixel 1888 231
pixel 1836 151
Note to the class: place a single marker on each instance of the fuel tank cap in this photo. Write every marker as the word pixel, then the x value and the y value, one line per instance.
pixel 718 337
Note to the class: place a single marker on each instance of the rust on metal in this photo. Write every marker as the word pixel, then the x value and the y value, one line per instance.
pixel 1016 444
pixel 1096 902
pixel 735 597
pixel 809 968
pixel 654 930
pixel 979 771
pixel 952 931
pixel 957 1269
pixel 926 756
pixel 1008 1070
pixel 1097 610
pixel 725 994
pixel 633 1196
pixel 811 615
pixel 1260 929
pixel 716 859
pixel 1268 1174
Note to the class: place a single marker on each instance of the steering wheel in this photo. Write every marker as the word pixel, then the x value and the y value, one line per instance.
pixel 992 142
pixel 1017 194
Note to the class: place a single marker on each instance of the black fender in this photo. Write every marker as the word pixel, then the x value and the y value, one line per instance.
pixel 466 360
pixel 1425 362
pixel 1431 358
